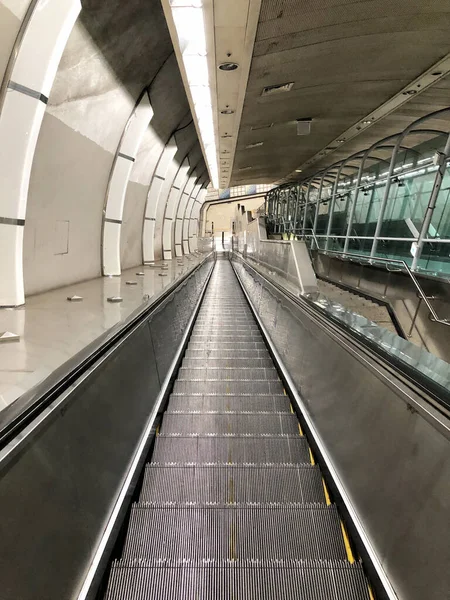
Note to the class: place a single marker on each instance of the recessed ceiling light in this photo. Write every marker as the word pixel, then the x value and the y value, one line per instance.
pixel 341 141
pixel 228 66
pixel 245 168
pixel 255 145
pixel 367 122
pixel 227 111
pixel 298 170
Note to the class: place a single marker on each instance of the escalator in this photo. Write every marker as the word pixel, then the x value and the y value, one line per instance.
pixel 232 505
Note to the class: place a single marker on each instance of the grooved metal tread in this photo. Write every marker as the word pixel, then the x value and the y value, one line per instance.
pixel 230 506
pixel 230 423
pixel 234 387
pixel 228 404
pixel 225 345
pixel 219 483
pixel 231 362
pixel 227 373
pixel 236 579
pixel 221 354
pixel 234 531
pixel 231 448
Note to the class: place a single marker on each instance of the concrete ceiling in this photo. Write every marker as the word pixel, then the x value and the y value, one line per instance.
pixel 346 58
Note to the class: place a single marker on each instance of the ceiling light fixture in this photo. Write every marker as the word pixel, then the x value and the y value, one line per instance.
pixel 189 22
pixel 255 145
pixel 245 168
pixel 304 126
pixel 298 170
pixel 228 66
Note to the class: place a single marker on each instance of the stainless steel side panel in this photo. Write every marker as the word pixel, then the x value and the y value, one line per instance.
pixel 393 463
pixel 58 488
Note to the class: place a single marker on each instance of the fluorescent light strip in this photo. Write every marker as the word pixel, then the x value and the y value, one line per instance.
pixel 189 21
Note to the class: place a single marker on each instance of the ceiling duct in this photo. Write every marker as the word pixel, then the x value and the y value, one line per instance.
pixel 281 88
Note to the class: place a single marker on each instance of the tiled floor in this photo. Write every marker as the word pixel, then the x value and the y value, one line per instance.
pixel 52 330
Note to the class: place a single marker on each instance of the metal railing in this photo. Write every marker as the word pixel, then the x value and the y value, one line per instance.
pixel 371 260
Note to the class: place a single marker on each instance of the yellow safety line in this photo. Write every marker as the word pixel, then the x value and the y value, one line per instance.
pixel 284 392
pixel 300 429
pixel 231 491
pixel 311 457
pixel 157 430
pixel 325 491
pixel 371 596
pixel 292 410
pixel 348 549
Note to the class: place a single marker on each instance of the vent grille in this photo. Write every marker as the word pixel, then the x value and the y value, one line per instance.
pixel 277 89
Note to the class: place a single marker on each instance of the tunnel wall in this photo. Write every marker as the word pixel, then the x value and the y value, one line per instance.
pixel 115 51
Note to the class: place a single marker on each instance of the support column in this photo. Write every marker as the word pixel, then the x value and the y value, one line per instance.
pixel 181 209
pixel 175 193
pixel 29 79
pixel 156 185
pixel 193 221
pixel 118 183
pixel 187 215
pixel 440 173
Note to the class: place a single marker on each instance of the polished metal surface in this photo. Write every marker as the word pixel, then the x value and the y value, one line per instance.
pixel 387 447
pixel 63 477
pixel 401 292
pixel 232 503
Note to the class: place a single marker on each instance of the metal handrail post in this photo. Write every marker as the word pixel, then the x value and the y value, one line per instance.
pixel 440 173
pixel 332 203
pixel 308 189
pixel 316 215
pixel 417 285
pixel 383 205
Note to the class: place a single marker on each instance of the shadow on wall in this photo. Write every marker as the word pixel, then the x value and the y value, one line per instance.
pixel 115 50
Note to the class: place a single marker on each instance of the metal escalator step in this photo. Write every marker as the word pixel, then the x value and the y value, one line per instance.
pixel 218 337
pixel 234 532
pixel 207 403
pixel 231 448
pixel 271 423
pixel 236 345
pixel 220 353
pixel 240 580
pixel 228 362
pixel 233 387
pixel 227 373
pixel 223 484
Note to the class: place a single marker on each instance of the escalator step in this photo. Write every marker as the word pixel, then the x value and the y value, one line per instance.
pixel 234 532
pixel 228 362
pixel 232 484
pixel 230 423
pixel 240 580
pixel 231 449
pixel 227 345
pixel 227 373
pixel 233 387
pixel 228 403
pixel 221 354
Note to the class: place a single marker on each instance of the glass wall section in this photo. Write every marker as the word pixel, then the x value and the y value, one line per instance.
pixel 391 200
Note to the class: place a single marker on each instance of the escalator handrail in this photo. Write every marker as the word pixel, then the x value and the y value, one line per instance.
pixel 429 392
pixel 15 417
